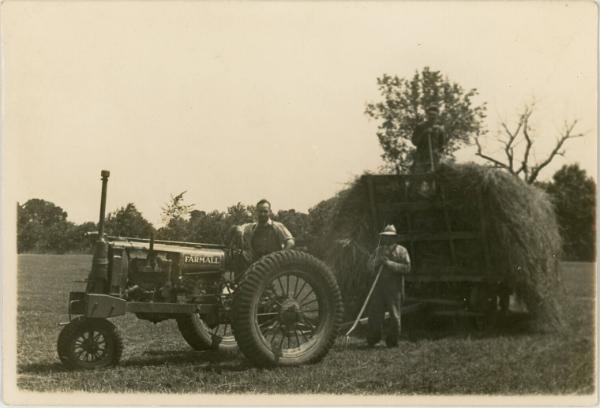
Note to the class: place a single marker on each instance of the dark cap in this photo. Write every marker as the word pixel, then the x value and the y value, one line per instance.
pixel 432 108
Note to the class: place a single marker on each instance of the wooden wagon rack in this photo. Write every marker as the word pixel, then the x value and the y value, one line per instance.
pixel 451 261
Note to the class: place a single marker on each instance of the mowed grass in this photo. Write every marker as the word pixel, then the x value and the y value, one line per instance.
pixel 446 359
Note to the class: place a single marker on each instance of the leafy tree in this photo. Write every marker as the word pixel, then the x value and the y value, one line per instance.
pixel 207 227
pixel 175 230
pixel 574 196
pixel 41 226
pixel 239 214
pixel 83 228
pixel 76 237
pixel 174 215
pixel 296 222
pixel 518 150
pixel 128 222
pixel 212 227
pixel 403 109
pixel 319 218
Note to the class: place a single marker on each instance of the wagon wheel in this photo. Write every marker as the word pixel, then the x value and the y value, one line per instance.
pixel 200 336
pixel 89 343
pixel 286 310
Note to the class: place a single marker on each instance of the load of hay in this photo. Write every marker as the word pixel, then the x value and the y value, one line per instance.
pixel 521 229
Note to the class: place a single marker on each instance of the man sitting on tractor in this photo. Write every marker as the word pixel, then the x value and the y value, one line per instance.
pixel 264 236
pixel 390 262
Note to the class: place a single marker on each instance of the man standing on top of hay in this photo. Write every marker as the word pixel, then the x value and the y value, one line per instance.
pixel 429 140
pixel 393 261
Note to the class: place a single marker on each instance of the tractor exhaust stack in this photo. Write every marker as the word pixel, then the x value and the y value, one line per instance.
pixel 104 174
pixel 98 277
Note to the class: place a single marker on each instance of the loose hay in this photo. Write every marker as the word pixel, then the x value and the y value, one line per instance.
pixel 524 242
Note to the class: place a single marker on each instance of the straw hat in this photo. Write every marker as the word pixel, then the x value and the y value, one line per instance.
pixel 389 230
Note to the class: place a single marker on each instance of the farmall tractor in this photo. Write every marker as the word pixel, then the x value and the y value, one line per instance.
pixel 283 309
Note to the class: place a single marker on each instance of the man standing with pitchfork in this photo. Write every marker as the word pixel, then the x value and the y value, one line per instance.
pixel 390 262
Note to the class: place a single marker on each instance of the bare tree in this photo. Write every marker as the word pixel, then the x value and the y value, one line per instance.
pixel 175 209
pixel 522 165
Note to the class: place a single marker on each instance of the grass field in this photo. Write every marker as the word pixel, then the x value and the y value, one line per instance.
pixel 446 360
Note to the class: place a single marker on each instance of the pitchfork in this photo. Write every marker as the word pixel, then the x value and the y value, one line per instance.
pixel 364 306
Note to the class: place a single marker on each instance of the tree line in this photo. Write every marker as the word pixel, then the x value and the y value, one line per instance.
pixel 43 227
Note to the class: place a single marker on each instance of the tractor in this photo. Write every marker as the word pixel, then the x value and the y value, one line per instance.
pixel 283 309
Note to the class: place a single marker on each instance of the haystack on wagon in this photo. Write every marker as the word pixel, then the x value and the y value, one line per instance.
pixel 451 266
pixel 475 235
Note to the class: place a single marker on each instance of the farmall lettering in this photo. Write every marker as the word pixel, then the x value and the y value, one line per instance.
pixel 202 260
pixel 206 260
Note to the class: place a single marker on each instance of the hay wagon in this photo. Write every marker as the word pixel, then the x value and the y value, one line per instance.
pixel 448 242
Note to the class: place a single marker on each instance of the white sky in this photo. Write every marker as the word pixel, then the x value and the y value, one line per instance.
pixel 238 101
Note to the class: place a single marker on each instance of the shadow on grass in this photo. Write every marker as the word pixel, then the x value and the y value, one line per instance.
pixel 511 325
pixel 439 328
pixel 205 360
pixel 41 368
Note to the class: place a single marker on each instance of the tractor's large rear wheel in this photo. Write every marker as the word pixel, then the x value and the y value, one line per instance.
pixel 286 310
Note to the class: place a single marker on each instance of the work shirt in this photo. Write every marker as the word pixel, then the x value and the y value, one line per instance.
pixel 397 254
pixel 259 240
pixel 420 138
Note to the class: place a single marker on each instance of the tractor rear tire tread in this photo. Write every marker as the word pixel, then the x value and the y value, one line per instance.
pixel 250 285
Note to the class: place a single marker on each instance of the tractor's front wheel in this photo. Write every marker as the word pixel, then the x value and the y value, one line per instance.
pixel 286 310
pixel 89 343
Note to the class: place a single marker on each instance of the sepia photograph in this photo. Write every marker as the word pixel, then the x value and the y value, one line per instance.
pixel 299 203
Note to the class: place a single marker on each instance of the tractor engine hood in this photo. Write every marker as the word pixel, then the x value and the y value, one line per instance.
pixel 189 259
